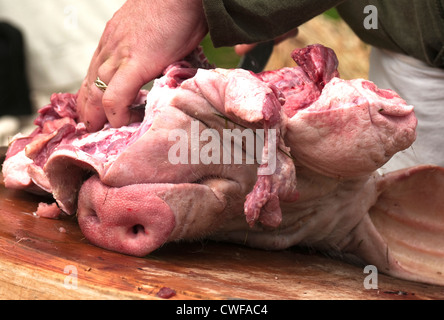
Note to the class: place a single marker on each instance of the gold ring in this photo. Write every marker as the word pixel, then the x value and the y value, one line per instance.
pixel 100 84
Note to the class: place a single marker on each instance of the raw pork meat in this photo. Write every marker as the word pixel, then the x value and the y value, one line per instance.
pixel 313 181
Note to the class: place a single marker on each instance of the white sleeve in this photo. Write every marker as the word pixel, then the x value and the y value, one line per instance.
pixel 423 87
pixel 60 39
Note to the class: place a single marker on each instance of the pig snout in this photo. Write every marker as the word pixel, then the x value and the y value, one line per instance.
pixel 127 219
pixel 137 219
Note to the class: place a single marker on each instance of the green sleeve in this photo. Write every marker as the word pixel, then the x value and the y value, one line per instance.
pixel 232 22
pixel 411 27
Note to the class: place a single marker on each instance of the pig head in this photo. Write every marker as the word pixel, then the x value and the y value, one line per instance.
pixel 311 179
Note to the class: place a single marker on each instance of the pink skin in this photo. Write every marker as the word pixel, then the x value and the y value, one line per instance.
pixel 131 220
pixel 394 222
pixel 137 219
pixel 409 218
pixel 366 129
pixel 133 200
pixel 242 49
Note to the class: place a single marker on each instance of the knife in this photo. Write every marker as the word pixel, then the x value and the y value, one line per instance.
pixel 256 59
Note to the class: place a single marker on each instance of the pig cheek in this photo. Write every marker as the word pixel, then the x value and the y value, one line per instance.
pixel 396 132
pixel 126 219
pixel 335 142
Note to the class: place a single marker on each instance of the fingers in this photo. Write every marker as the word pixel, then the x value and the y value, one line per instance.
pixel 133 50
pixel 89 99
pixel 120 94
pixel 89 106
pixel 96 106
pixel 242 49
pixel 290 34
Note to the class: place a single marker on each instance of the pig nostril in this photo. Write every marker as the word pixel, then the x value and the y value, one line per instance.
pixel 89 214
pixel 138 228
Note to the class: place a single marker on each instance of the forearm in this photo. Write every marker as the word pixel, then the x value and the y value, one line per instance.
pixel 232 22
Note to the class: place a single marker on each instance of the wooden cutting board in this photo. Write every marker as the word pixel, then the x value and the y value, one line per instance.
pixel 50 259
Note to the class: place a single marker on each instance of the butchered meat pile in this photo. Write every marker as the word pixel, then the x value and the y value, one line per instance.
pixel 313 182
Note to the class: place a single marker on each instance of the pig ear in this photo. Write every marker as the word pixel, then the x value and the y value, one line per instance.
pixel 409 216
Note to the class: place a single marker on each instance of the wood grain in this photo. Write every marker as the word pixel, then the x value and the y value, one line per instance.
pixel 35 253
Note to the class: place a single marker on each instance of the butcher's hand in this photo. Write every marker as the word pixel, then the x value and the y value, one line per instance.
pixel 242 49
pixel 142 38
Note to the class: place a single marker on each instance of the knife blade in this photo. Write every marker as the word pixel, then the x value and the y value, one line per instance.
pixel 257 58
